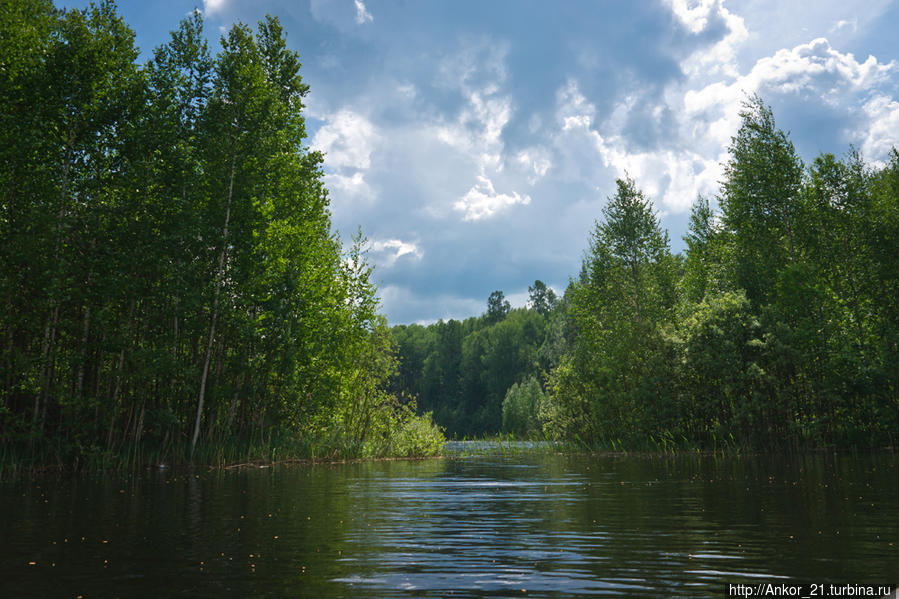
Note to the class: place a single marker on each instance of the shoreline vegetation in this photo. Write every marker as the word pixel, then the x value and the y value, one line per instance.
pixel 776 330
pixel 496 446
pixel 172 285
pixel 174 292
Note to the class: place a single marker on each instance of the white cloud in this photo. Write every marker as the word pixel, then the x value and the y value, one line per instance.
pixel 388 251
pixel 850 25
pixel 478 129
pixel 670 177
pixel 694 17
pixel 407 91
pixel 213 6
pixel 814 73
pixel 344 15
pixel 482 201
pixel 817 67
pixel 573 109
pixel 475 134
pixel 536 162
pixel 883 128
pixel 701 114
pixel 352 186
pixel 362 14
pixel 719 59
pixel 348 140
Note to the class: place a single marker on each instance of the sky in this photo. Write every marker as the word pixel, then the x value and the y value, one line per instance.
pixel 476 143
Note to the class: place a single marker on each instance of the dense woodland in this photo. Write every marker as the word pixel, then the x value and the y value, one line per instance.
pixel 778 326
pixel 173 288
pixel 463 371
pixel 170 280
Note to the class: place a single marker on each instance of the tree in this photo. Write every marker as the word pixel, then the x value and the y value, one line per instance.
pixel 497 307
pixel 541 298
pixel 760 201
pixel 614 384
pixel 169 269
pixel 701 263
pixel 520 407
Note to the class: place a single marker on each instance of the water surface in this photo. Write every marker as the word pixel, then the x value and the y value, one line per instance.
pixel 484 526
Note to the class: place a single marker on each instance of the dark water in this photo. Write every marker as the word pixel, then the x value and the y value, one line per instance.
pixel 532 525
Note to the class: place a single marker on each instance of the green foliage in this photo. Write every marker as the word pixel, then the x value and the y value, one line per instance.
pixel 520 408
pixel 784 331
pixel 760 201
pixel 170 277
pixel 497 307
pixel 615 382
pixel 541 298
pixel 462 371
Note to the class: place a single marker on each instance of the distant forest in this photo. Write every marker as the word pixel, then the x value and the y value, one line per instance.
pixel 173 289
pixel 778 326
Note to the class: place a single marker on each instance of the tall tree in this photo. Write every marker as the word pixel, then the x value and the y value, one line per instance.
pixel 613 384
pixel 760 201
pixel 497 306
pixel 541 298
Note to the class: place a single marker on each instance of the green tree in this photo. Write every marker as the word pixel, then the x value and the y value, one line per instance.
pixel 760 201
pixel 703 268
pixel 520 406
pixel 541 298
pixel 497 307
pixel 614 383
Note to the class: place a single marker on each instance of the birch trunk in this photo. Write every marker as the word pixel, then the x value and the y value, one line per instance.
pixel 215 309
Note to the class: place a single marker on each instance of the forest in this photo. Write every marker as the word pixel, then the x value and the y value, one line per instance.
pixel 173 288
pixel 172 285
pixel 777 328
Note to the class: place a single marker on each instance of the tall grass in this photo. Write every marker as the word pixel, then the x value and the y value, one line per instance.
pixel 260 447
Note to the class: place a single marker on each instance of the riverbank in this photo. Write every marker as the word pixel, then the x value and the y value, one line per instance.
pixel 273 452
pixel 22 459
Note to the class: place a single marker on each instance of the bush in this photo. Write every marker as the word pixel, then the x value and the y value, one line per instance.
pixel 520 408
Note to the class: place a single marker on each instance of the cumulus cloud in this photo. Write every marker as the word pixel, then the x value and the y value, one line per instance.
pixel 671 176
pixel 347 139
pixel 477 72
pixel 387 252
pixel 695 118
pixel 814 74
pixel 350 186
pixel 213 6
pixel 478 128
pixel 882 133
pixel 344 15
pixel 850 25
pixel 720 58
pixel 362 14
pixel 482 201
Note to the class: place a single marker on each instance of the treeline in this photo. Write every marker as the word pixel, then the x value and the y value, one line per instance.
pixel 779 325
pixel 169 275
pixel 462 371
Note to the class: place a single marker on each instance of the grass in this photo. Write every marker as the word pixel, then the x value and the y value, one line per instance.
pixel 267 448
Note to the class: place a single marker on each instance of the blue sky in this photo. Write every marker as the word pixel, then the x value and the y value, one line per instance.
pixel 475 143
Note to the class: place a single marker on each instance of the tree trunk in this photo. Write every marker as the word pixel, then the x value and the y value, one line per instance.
pixel 215 309
pixel 82 360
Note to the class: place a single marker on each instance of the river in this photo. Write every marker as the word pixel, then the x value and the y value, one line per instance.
pixel 526 525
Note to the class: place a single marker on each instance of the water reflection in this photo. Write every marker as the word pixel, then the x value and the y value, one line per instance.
pixel 544 525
